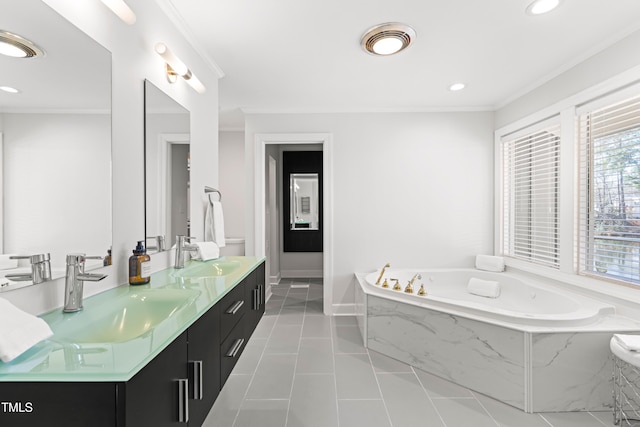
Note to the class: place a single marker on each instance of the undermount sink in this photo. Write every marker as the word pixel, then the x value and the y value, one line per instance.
pixel 130 316
pixel 209 269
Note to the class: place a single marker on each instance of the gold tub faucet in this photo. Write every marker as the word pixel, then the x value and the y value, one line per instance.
pixel 422 292
pixel 387 265
pixel 397 286
pixel 409 288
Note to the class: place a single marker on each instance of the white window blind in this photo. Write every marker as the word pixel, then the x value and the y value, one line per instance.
pixel 530 196
pixel 609 237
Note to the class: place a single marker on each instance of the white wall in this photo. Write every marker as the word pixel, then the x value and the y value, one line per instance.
pixel 232 182
pixel 604 65
pixel 133 60
pixel 55 167
pixel 412 189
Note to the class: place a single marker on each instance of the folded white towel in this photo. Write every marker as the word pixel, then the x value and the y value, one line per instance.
pixel 483 288
pixel 214 223
pixel 206 251
pixel 19 331
pixel 628 342
pixel 489 263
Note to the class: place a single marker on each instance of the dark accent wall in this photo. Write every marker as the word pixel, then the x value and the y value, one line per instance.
pixel 300 162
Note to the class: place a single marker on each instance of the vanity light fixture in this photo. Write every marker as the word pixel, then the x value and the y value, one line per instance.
pixel 455 87
pixel 122 10
pixel 18 47
pixel 175 67
pixel 9 89
pixel 538 7
pixel 387 39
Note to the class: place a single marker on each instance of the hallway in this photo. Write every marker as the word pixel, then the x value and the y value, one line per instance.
pixel 302 368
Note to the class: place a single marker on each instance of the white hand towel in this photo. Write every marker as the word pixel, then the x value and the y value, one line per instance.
pixel 214 223
pixel 483 288
pixel 19 331
pixel 206 251
pixel 628 342
pixel 489 263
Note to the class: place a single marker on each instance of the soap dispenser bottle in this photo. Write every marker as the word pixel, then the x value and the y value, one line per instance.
pixel 139 266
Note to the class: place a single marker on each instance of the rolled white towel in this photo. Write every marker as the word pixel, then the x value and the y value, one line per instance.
pixel 19 331
pixel 628 342
pixel 490 263
pixel 206 251
pixel 483 288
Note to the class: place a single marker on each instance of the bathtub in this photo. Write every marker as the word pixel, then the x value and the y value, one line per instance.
pixel 537 347
pixel 521 300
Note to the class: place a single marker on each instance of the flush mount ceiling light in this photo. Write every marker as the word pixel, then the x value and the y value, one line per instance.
pixel 18 47
pixel 387 39
pixel 175 67
pixel 538 7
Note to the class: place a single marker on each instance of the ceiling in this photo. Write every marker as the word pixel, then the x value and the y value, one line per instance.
pixel 50 83
pixel 305 56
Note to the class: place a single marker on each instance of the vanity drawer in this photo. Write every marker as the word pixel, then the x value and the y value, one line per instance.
pixel 232 308
pixel 230 351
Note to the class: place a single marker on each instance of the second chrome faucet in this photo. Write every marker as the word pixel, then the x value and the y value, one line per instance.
pixel 75 277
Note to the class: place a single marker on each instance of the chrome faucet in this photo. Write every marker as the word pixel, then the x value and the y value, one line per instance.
pixel 40 268
pixel 181 247
pixel 160 246
pixel 75 277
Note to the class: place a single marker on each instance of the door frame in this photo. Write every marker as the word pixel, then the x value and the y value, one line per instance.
pixel 261 141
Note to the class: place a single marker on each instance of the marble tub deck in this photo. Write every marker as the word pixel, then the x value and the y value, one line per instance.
pixel 533 369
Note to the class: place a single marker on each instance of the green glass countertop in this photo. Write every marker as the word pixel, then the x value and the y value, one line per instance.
pixel 122 329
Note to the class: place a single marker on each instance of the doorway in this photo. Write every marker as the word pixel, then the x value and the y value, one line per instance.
pixel 263 245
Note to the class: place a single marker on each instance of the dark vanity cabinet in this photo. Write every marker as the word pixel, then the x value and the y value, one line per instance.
pixel 255 294
pixel 176 388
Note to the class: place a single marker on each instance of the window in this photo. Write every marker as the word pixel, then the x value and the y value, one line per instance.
pixel 610 191
pixel 530 178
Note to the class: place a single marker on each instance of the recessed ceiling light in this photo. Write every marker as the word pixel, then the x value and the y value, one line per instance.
pixel 456 87
pixel 18 47
pixel 538 7
pixel 387 39
pixel 9 89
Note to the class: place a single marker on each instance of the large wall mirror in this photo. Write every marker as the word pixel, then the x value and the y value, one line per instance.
pixel 166 142
pixel 55 134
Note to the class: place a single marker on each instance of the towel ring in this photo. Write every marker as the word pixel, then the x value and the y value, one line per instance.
pixel 208 190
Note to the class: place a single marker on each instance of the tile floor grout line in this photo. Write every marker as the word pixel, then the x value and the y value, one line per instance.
pixel 413 370
pixel 485 408
pixel 244 396
pixel 335 374
pixel 295 369
pixel 375 375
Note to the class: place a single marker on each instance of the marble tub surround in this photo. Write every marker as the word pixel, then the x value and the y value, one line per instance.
pixel 122 329
pixel 536 368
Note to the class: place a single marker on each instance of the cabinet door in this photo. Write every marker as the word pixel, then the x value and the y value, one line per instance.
pixel 158 395
pixel 255 295
pixel 58 404
pixel 204 365
pixel 231 349
pixel 232 307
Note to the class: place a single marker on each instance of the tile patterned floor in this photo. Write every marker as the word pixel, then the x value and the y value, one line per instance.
pixel 302 368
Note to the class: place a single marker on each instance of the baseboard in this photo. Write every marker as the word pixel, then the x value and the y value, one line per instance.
pixel 344 309
pixel 274 280
pixel 301 274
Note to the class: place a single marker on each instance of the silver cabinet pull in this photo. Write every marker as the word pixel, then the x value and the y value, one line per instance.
pixel 256 299
pixel 235 307
pixel 260 297
pixel 183 400
pixel 197 380
pixel 235 348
